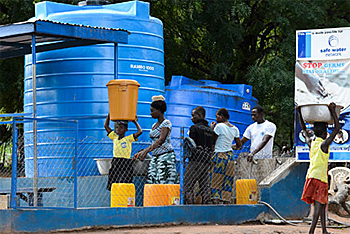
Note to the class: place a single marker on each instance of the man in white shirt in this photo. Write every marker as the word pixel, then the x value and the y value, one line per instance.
pixel 261 133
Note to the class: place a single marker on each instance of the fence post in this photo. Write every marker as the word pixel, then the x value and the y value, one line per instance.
pixel 14 165
pixel 75 158
pixel 182 133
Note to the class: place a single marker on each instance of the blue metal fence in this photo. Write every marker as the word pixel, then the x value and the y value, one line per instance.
pixel 64 178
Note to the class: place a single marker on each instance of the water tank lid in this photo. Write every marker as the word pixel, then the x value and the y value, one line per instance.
pixel 93 2
pixel 123 82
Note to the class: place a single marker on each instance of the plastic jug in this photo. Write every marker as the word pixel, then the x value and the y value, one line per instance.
pixel 161 195
pixel 122 195
pixel 246 191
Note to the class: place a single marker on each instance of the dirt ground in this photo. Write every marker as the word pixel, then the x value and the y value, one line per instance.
pixel 251 228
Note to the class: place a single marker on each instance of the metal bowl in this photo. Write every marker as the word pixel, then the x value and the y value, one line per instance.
pixel 103 165
pixel 318 113
pixel 140 167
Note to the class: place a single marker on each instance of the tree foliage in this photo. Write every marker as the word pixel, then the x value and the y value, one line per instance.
pixel 232 41
pixel 245 41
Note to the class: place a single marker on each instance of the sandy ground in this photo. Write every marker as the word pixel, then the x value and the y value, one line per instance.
pixel 251 228
pixel 213 229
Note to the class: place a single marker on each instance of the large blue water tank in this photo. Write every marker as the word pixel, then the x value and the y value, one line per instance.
pixel 184 94
pixel 71 83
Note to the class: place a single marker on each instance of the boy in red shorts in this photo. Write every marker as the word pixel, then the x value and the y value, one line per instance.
pixel 316 184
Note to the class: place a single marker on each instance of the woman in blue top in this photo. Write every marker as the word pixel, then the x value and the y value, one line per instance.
pixel 162 168
pixel 222 170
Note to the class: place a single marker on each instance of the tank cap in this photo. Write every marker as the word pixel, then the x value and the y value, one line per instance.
pixel 93 2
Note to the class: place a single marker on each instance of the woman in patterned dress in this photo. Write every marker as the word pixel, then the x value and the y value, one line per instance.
pixel 162 169
pixel 222 170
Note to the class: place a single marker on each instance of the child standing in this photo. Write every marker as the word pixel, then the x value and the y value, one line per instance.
pixel 316 184
pixel 121 170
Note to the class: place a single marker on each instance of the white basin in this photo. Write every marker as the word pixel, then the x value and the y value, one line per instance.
pixel 103 165
pixel 318 113
pixel 140 167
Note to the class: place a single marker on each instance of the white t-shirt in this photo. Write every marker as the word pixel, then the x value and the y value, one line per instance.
pixel 225 138
pixel 256 132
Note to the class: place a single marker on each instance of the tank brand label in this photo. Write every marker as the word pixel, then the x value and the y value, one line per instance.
pixel 246 106
pixel 141 67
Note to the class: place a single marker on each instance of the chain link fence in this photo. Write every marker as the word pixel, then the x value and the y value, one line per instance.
pixel 65 170
pixel 226 178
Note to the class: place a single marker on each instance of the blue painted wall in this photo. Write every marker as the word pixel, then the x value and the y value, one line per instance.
pixel 285 195
pixel 19 221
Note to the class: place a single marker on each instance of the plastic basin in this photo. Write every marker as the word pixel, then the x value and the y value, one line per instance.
pixel 318 113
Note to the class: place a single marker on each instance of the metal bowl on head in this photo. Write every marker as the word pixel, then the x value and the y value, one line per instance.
pixel 318 113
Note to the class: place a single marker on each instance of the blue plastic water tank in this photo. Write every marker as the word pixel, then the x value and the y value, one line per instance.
pixel 184 94
pixel 71 83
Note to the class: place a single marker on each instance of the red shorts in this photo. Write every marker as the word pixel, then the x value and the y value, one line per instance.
pixel 315 190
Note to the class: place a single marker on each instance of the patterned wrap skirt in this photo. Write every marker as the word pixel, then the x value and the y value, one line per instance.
pixel 222 176
pixel 315 190
pixel 162 169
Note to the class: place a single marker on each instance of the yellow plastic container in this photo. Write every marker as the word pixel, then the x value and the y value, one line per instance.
pixel 122 95
pixel 161 195
pixel 246 191
pixel 123 195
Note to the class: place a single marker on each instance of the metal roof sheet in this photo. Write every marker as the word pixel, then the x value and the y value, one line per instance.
pixel 16 39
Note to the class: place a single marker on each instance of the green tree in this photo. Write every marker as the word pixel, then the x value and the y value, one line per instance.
pixel 245 41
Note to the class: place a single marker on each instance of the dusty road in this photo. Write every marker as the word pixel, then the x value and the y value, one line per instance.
pixel 211 229
pixel 252 228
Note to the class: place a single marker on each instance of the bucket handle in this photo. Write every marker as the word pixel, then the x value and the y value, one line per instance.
pixel 123 88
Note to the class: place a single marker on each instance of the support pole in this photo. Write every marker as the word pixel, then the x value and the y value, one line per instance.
pixel 75 159
pixel 14 165
pixel 115 61
pixel 35 140
pixel 182 134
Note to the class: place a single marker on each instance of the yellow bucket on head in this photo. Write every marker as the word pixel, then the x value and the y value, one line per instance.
pixel 122 95
pixel 161 194
pixel 246 191
pixel 123 195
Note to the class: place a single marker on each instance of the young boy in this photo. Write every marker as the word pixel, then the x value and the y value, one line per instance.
pixel 199 164
pixel 316 184
pixel 121 170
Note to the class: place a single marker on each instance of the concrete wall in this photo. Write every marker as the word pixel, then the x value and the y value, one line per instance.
pixel 283 191
pixel 19 221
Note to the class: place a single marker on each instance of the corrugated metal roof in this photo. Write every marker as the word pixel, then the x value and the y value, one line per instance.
pixel 16 39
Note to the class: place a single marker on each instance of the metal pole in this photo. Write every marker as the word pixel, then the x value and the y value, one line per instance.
pixel 35 140
pixel 182 133
pixel 14 165
pixel 75 167
pixel 115 61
